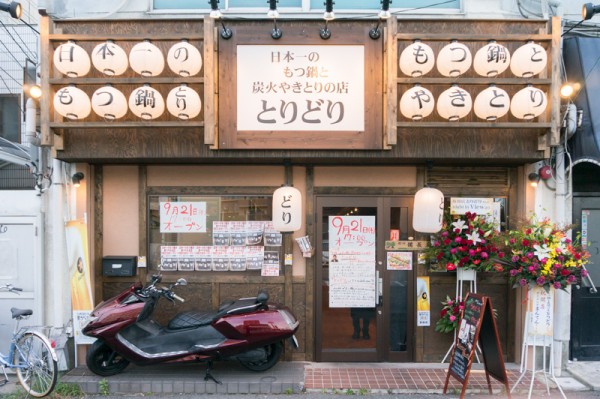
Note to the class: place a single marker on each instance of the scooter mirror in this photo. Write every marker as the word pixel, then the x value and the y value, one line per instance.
pixel 181 281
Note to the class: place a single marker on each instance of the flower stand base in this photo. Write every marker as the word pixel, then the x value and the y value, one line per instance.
pixel 539 320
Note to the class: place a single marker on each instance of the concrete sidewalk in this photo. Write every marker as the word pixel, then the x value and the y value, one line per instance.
pixel 307 377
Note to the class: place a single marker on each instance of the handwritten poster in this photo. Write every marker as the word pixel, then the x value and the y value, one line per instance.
pixel 352 261
pixel 540 308
pixel 182 217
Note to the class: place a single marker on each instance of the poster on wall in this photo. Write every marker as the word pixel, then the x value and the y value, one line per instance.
pixel 82 301
pixel 182 217
pixel 540 310
pixel 423 302
pixel 352 261
pixel 399 260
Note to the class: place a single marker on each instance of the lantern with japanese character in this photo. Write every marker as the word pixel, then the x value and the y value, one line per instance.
pixel 428 210
pixel 287 209
pixel 109 103
pixel 417 103
pixel 110 59
pixel 454 59
pixel 72 103
pixel 454 103
pixel 491 60
pixel 528 103
pixel 491 103
pixel 417 59
pixel 146 59
pixel 183 102
pixel 72 60
pixel 528 60
pixel 146 103
pixel 184 59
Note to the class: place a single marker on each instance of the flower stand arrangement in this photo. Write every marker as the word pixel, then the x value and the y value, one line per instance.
pixel 542 259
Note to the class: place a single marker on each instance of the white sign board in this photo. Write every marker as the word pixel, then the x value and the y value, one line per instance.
pixel 480 206
pixel 352 262
pixel 182 217
pixel 541 312
pixel 300 88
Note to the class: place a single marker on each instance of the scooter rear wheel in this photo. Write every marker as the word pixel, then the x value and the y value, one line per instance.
pixel 104 361
pixel 273 353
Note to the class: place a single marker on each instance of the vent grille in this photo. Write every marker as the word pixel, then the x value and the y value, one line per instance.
pixel 16 177
pixel 460 177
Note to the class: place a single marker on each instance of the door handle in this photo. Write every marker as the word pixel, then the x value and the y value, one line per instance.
pixel 379 289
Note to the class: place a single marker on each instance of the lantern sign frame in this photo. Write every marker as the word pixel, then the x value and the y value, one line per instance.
pixel 72 103
pixel 417 103
pixel 491 60
pixel 417 59
pixel 146 59
pixel 491 103
pixel 109 103
pixel 110 58
pixel 287 209
pixel 146 102
pixel 529 60
pixel 72 60
pixel 528 103
pixel 184 59
pixel 454 103
pixel 184 102
pixel 454 59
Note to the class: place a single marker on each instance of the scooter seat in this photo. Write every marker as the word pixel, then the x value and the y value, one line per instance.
pixel 191 319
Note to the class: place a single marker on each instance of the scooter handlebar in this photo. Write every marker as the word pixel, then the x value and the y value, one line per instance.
pixel 180 299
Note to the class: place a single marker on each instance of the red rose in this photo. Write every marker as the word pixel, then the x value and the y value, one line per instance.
pixel 565 272
pixel 450 266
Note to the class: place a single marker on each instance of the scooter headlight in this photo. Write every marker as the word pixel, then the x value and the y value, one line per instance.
pixel 289 318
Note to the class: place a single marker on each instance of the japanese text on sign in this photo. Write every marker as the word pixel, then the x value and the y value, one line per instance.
pixel 541 312
pixel 182 217
pixel 300 88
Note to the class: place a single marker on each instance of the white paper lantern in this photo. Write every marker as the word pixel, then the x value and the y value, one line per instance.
pixel 528 103
pixel 528 60
pixel 428 210
pixel 110 59
pixel 183 102
pixel 146 103
pixel 454 103
pixel 72 103
pixel 184 59
pixel 491 60
pixel 491 103
pixel 109 103
pixel 287 209
pixel 417 103
pixel 417 59
pixel 72 60
pixel 146 59
pixel 454 59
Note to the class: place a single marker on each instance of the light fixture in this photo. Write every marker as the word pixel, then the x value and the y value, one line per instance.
pixel 215 13
pixel 567 90
pixel 375 33
pixel 35 91
pixel 324 32
pixel 287 209
pixel 534 178
pixel 588 10
pixel 14 9
pixel 77 178
pixel 428 210
pixel 276 33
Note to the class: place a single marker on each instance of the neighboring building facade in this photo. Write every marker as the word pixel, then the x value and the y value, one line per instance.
pixel 354 156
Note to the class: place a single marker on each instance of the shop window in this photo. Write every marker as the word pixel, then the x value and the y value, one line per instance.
pixel 376 4
pixel 10 124
pixel 213 234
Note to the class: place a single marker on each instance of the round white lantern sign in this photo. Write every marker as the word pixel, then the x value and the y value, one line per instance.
pixel 72 103
pixel 454 103
pixel 287 209
pixel 416 59
pixel 146 59
pixel 417 103
pixel 183 102
pixel 454 59
pixel 491 60
pixel 528 103
pixel 528 60
pixel 72 60
pixel 491 104
pixel 146 103
pixel 109 103
pixel 110 59
pixel 428 210
pixel 184 59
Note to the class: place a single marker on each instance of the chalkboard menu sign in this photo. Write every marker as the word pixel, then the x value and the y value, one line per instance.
pixel 477 327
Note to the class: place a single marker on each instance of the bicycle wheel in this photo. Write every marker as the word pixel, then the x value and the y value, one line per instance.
pixel 37 370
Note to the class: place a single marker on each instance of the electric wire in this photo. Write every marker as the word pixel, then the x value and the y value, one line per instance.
pixel 14 40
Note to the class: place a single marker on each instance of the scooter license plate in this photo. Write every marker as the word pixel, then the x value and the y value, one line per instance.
pixel 294 341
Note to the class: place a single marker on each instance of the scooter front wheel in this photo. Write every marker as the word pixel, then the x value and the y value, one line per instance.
pixel 104 361
pixel 273 353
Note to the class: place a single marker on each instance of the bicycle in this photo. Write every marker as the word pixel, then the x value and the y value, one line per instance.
pixel 30 354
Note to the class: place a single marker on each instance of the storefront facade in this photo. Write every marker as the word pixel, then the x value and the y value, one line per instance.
pixel 341 136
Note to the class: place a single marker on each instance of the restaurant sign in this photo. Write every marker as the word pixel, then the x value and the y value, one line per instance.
pixel 300 88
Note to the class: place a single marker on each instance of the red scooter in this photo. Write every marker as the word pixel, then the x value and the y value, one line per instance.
pixel 249 330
